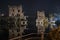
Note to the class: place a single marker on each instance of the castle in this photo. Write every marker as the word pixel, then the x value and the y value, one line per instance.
pixel 20 21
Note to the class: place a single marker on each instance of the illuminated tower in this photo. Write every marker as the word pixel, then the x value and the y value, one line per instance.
pixel 20 20
pixel 41 23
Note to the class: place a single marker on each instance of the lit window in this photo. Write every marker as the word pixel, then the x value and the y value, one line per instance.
pixel 18 14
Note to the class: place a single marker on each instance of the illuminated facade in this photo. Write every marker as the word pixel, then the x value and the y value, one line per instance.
pixel 41 21
pixel 20 21
pixel 14 10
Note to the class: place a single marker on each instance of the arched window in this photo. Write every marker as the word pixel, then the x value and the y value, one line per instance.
pixel 18 10
pixel 18 14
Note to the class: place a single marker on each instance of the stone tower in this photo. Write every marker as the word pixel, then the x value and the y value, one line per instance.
pixel 14 10
pixel 41 21
pixel 40 14
pixel 20 20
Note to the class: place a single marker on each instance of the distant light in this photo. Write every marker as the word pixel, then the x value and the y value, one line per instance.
pixel 2 14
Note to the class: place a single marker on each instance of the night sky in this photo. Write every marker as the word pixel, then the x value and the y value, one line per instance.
pixel 31 6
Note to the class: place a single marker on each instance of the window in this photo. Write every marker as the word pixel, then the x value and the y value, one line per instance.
pixel 23 22
pixel 22 19
pixel 18 10
pixel 18 14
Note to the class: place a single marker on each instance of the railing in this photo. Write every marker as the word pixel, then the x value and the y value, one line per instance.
pixel 28 36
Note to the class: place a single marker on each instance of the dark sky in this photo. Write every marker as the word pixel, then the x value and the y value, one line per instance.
pixel 31 6
pixel 3 6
